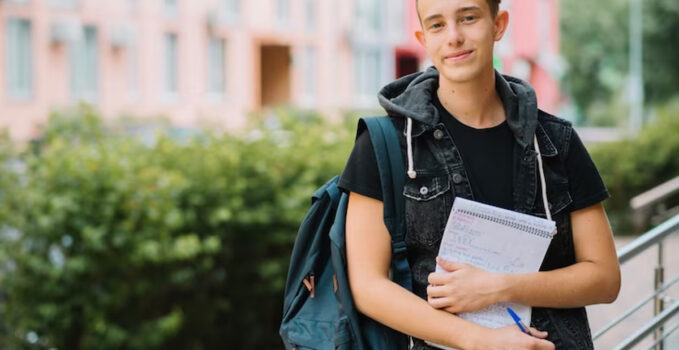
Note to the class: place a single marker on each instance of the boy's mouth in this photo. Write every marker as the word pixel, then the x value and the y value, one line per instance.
pixel 458 56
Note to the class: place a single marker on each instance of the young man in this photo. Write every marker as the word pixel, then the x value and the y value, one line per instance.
pixel 469 131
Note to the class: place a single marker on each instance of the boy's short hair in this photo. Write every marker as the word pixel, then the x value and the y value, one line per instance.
pixel 493 4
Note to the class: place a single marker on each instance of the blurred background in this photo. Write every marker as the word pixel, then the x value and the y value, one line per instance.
pixel 158 155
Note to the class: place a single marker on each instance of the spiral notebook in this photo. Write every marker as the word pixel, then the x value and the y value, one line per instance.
pixel 496 240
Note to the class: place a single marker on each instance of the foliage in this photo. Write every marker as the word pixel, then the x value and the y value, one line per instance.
pixel 112 242
pixel 661 25
pixel 632 166
pixel 595 43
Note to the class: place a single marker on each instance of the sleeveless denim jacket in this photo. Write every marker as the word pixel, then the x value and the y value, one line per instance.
pixel 441 176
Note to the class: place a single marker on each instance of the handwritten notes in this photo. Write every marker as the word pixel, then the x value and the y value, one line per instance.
pixel 496 240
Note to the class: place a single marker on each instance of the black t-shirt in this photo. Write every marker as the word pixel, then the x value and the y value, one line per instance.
pixel 487 155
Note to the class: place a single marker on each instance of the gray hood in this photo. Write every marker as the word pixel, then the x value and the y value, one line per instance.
pixel 411 97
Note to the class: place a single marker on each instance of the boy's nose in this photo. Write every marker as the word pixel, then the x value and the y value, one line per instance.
pixel 455 36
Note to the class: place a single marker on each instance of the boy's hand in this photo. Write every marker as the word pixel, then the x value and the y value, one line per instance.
pixel 463 288
pixel 511 338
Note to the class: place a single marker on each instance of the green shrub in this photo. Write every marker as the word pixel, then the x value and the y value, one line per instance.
pixel 115 242
pixel 632 166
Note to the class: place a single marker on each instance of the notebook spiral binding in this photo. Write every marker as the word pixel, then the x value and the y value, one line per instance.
pixel 521 227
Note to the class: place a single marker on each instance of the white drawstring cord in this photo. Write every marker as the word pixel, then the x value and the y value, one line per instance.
pixel 542 179
pixel 412 174
pixel 409 140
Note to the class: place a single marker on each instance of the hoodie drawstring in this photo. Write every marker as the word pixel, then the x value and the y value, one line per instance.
pixel 409 140
pixel 542 179
pixel 412 174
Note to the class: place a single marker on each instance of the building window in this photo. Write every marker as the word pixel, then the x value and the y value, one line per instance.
pixel 84 58
pixel 231 10
pixel 19 59
pixel 395 20
pixel 368 73
pixel 63 4
pixel 216 71
pixel 310 75
pixel 310 7
pixel 171 64
pixel 132 6
pixel 369 15
pixel 132 72
pixel 171 8
pixel 283 12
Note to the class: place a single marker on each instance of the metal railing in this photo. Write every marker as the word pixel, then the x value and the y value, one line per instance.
pixel 662 314
pixel 651 206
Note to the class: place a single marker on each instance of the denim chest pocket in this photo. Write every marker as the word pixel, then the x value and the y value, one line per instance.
pixel 558 198
pixel 428 201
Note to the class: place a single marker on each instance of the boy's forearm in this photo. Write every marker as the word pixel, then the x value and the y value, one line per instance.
pixel 392 305
pixel 581 284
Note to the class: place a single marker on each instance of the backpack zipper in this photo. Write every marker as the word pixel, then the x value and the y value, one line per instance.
pixel 310 284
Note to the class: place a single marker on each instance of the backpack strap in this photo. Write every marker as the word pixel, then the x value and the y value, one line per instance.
pixel 389 156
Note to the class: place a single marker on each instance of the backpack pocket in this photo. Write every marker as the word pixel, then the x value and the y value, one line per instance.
pixel 319 335
pixel 343 340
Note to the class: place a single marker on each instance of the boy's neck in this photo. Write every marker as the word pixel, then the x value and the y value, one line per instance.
pixel 475 103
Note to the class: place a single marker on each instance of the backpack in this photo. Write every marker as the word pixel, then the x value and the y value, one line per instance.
pixel 318 311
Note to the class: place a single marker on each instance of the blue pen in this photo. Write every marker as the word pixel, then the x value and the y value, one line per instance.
pixel 518 322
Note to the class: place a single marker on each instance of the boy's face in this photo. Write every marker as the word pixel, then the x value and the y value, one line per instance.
pixel 459 36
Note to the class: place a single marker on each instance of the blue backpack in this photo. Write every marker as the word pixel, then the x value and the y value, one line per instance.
pixel 319 311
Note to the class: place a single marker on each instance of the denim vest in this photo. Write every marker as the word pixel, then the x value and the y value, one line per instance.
pixel 441 176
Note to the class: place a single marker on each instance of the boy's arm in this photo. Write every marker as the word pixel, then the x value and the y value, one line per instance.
pixel 368 259
pixel 593 279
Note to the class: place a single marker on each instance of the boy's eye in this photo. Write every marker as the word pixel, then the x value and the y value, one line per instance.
pixel 468 19
pixel 436 26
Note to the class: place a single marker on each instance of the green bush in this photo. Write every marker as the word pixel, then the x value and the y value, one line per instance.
pixel 632 166
pixel 115 242
pixel 159 242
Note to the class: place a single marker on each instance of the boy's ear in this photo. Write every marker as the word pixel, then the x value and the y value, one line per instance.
pixel 419 35
pixel 501 23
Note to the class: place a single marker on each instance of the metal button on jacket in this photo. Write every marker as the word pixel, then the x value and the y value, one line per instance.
pixel 438 134
pixel 457 178
pixel 424 190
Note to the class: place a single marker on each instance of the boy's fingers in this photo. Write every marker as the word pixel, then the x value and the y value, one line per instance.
pixel 449 265
pixel 538 334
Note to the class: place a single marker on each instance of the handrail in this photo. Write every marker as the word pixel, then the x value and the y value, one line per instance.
pixel 664 336
pixel 649 327
pixel 654 237
pixel 655 194
pixel 648 239
pixel 636 307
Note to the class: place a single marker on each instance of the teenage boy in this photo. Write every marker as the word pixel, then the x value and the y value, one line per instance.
pixel 469 131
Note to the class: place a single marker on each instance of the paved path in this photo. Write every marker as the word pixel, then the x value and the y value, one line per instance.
pixel 637 284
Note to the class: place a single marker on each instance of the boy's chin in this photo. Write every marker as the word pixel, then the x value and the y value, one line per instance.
pixel 458 74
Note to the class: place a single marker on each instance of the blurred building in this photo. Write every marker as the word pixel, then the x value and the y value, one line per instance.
pixel 530 48
pixel 216 61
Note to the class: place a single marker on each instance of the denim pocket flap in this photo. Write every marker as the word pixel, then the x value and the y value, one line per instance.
pixel 426 188
pixel 558 198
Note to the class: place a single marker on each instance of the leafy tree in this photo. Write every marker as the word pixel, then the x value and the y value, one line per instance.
pixel 661 49
pixel 595 43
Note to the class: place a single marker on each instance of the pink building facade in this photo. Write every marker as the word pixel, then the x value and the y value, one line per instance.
pixel 530 48
pixel 213 62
